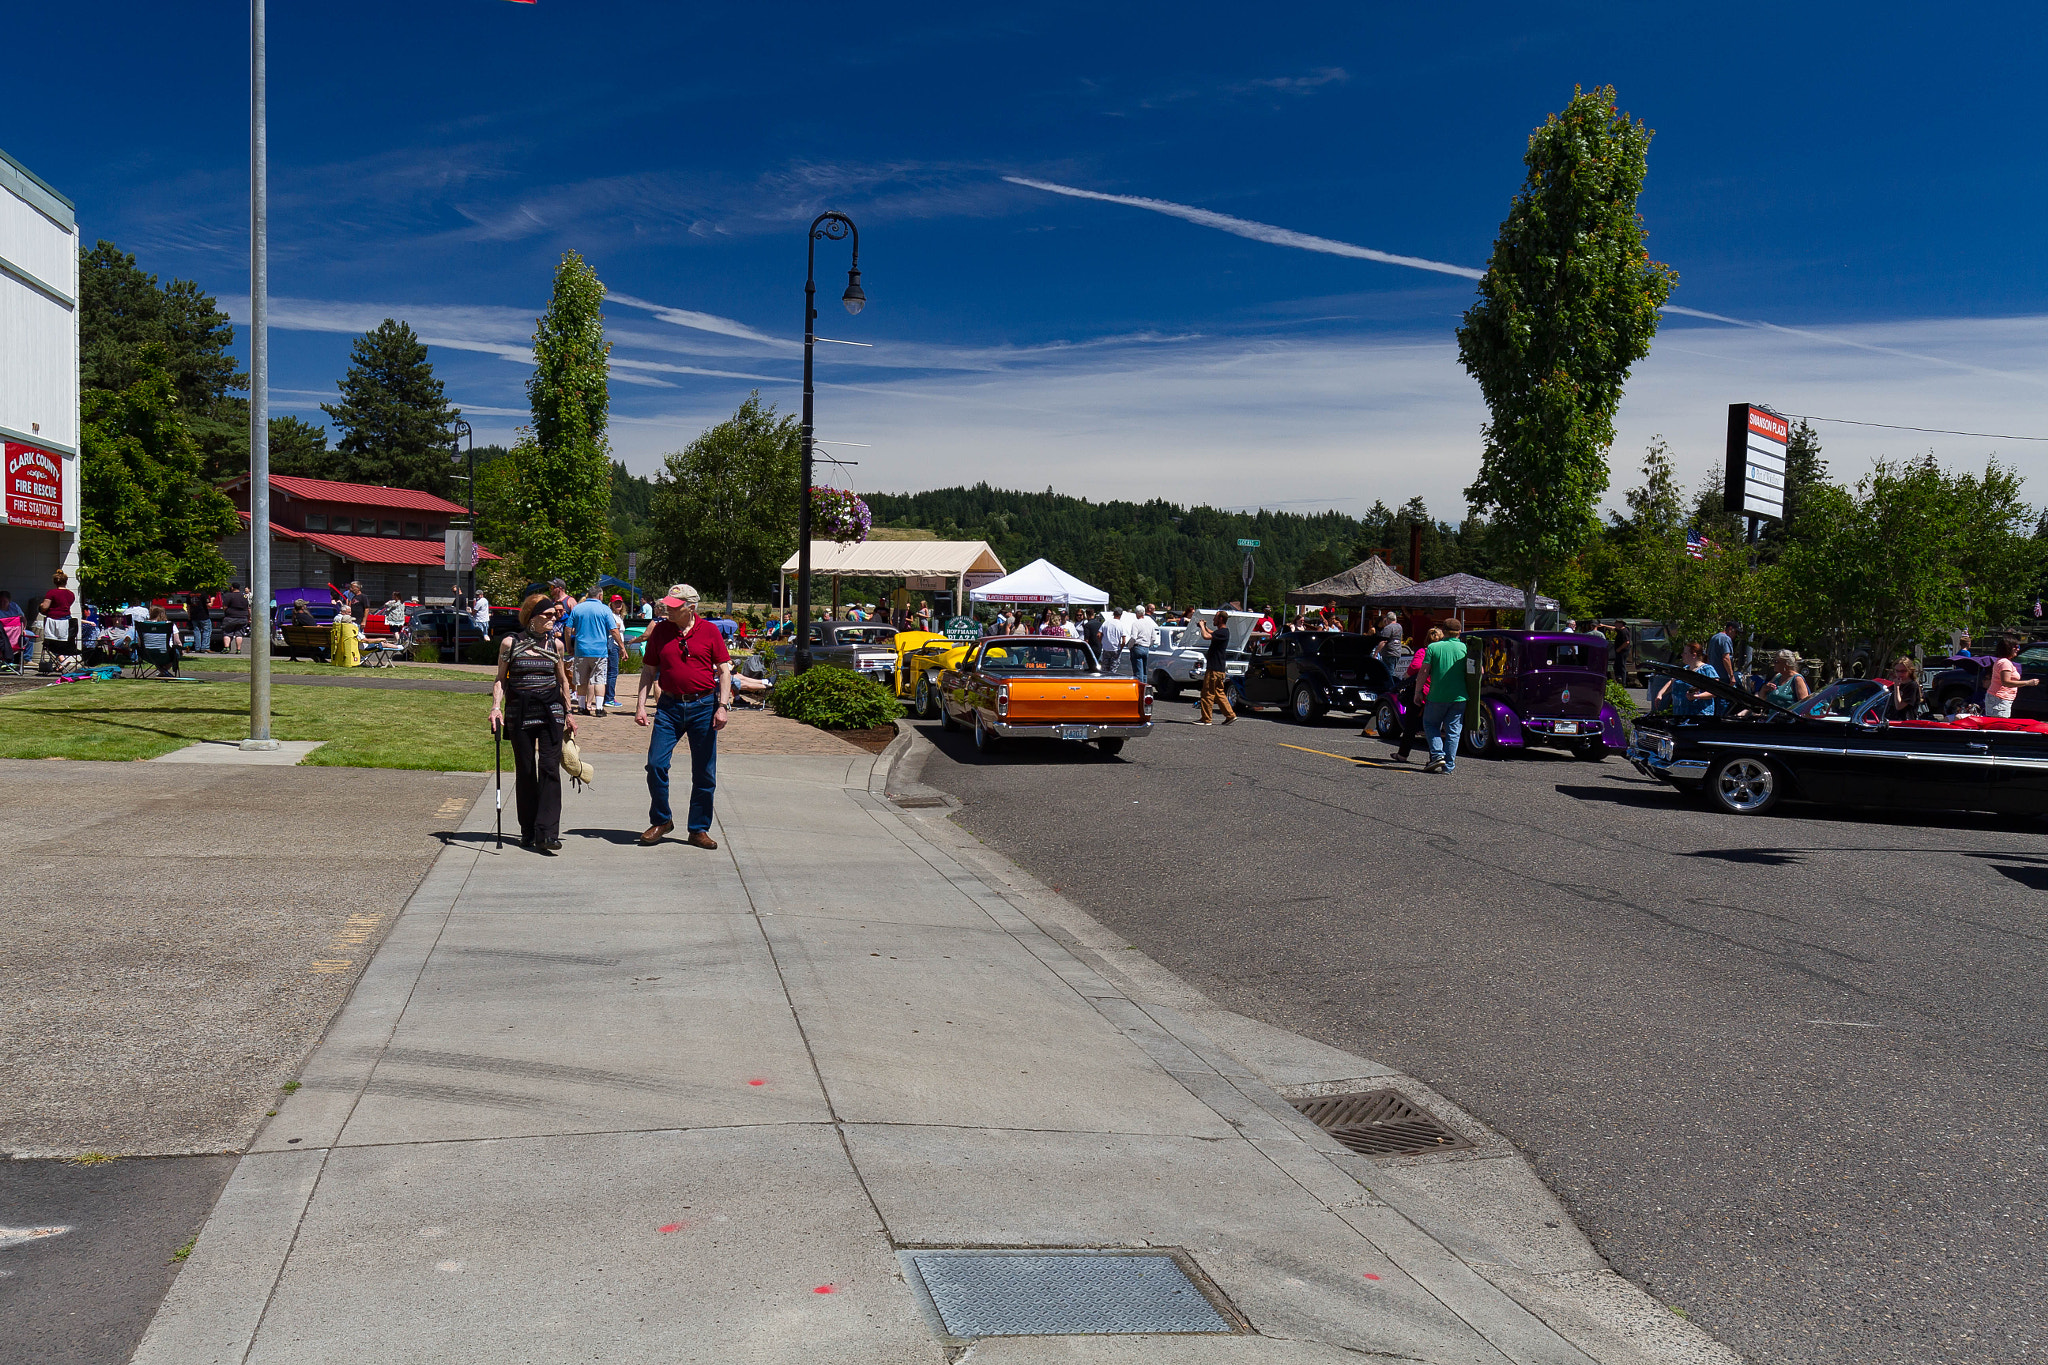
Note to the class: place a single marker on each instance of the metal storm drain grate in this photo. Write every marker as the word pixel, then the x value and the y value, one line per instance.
pixel 1379 1123
pixel 1062 1293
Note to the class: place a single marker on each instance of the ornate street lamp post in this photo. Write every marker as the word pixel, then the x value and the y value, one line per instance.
pixel 831 226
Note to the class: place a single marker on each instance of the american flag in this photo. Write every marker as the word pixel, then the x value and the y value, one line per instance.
pixel 1697 545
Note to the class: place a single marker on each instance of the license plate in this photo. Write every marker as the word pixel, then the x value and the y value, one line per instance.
pixel 1073 732
pixel 1565 727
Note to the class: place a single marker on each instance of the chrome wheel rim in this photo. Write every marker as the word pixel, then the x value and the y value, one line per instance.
pixel 1304 705
pixel 1482 731
pixel 1386 722
pixel 924 698
pixel 1745 784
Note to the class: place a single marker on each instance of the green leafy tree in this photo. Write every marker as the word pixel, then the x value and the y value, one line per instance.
pixel 724 510
pixel 151 523
pixel 122 310
pixel 1691 595
pixel 300 448
pixel 557 502
pixel 397 429
pixel 1568 304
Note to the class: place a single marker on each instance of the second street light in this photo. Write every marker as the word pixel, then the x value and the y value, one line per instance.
pixel 829 227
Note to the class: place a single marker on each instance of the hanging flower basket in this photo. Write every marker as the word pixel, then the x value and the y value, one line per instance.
pixel 839 515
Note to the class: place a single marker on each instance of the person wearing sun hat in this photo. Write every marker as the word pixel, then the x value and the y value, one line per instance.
pixel 685 663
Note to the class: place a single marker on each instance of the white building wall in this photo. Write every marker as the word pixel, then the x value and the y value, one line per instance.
pixel 38 364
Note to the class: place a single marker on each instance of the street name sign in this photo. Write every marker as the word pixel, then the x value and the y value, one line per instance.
pixel 1247 545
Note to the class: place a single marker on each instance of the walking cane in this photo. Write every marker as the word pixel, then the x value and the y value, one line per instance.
pixel 498 776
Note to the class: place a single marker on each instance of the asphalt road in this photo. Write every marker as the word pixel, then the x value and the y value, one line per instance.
pixel 1786 1071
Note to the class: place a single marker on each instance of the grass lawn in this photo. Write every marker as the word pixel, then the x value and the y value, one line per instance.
pixel 239 663
pixel 363 727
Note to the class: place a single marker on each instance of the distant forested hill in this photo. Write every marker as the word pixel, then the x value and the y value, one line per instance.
pixel 1162 551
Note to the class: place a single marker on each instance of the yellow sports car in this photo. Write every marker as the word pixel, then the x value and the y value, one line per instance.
pixel 920 658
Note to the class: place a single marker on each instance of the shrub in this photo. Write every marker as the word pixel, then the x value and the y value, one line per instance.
pixel 427 652
pixel 1621 701
pixel 480 653
pixel 835 699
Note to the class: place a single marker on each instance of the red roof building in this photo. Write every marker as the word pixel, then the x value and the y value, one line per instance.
pixel 391 540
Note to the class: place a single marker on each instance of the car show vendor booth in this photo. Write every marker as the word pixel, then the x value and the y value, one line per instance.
pixel 1353 589
pixel 1044 583
pixel 954 566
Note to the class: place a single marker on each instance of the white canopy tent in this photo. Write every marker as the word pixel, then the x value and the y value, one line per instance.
pixel 1041 581
pixel 963 562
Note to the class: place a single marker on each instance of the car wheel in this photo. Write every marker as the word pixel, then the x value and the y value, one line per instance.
pixel 1110 747
pixel 1387 721
pixel 1234 690
pixel 947 721
pixel 1953 697
pixel 1164 686
pixel 1303 705
pixel 927 705
pixel 1482 740
pixel 985 740
pixel 1743 785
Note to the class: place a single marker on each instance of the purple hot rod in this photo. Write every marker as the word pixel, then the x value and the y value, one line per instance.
pixel 1542 687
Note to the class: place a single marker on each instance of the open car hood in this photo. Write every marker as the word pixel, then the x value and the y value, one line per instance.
pixel 1749 701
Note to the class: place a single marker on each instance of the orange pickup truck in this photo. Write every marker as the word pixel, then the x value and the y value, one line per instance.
pixel 1042 687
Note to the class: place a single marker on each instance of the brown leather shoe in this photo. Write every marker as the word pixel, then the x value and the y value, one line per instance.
pixel 699 839
pixel 655 832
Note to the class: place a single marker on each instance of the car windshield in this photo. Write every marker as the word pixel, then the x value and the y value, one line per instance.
pixel 1569 655
pixel 863 635
pixel 1840 701
pixel 1050 657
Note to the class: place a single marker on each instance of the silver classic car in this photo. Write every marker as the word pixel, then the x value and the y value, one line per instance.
pixel 865 647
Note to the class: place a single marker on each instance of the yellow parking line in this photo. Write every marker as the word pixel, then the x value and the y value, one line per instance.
pixel 1361 762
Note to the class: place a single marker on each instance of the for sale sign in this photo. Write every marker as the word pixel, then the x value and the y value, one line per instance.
pixel 35 487
pixel 1757 438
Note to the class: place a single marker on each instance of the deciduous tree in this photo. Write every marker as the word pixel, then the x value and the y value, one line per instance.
pixel 150 523
pixel 1568 304
pixel 724 509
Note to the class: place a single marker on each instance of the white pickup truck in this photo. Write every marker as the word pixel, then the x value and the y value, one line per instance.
pixel 1182 663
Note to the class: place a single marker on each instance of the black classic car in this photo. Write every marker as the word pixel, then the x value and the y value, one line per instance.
pixel 1310 673
pixel 1962 682
pixel 1837 747
pixel 865 647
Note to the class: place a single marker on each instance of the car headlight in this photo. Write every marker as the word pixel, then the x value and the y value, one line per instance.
pixel 1666 747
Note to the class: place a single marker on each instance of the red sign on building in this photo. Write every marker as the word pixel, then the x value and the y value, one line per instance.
pixel 35 487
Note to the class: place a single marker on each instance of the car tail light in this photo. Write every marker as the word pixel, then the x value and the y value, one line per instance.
pixel 1003 700
pixel 1145 700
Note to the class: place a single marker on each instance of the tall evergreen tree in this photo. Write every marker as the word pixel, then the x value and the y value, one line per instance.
pixel 1569 302
pixel 151 523
pixel 122 310
pixel 397 428
pixel 562 478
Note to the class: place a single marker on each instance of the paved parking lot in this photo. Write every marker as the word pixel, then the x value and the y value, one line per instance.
pixel 1786 1071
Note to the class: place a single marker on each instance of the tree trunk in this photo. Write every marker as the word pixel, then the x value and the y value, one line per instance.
pixel 1529 606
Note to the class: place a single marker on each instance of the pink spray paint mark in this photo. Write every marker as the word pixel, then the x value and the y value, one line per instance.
pixel 757 1082
pixel 826 1289
pixel 1372 1277
pixel 671 1227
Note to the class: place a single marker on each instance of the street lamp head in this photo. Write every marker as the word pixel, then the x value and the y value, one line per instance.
pixel 855 298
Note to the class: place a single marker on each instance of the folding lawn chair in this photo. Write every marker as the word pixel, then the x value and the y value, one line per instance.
pixel 60 652
pixel 156 650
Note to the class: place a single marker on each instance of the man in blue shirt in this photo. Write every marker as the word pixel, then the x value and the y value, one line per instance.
pixel 592 626
pixel 1721 652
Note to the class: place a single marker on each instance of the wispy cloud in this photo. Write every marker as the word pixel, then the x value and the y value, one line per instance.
pixel 1244 227
pixel 702 322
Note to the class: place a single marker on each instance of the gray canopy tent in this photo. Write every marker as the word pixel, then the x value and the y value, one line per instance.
pixel 1457 593
pixel 1357 586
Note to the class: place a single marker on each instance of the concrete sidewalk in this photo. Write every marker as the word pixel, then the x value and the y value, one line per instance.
pixel 662 1104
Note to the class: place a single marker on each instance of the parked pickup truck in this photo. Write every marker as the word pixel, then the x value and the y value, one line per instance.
pixel 1042 687
pixel 1184 663
pixel 863 646
pixel 1312 672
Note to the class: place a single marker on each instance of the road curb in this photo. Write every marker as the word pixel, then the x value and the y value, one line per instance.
pixel 1487 1206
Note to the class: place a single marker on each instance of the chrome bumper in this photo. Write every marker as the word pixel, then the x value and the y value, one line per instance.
pixel 1008 731
pixel 1674 770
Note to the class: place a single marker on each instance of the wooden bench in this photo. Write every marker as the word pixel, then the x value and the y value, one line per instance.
pixel 311 640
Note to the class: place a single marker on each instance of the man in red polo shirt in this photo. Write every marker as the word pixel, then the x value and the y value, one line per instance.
pixel 684 657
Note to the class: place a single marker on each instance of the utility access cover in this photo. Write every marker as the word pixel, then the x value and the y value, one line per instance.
pixel 1062 1293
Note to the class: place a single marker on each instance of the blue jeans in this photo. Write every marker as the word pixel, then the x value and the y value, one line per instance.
pixel 1141 665
pixel 202 635
pixel 611 676
pixel 675 718
pixel 1444 723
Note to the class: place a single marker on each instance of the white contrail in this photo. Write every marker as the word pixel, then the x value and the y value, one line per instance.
pixel 1279 236
pixel 702 322
pixel 1258 232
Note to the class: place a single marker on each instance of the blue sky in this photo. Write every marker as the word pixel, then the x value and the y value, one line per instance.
pixel 1869 180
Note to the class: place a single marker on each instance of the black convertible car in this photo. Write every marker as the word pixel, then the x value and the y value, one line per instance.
pixel 1837 747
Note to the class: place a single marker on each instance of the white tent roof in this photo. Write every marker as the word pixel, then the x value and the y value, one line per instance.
pixel 1040 581
pixel 900 559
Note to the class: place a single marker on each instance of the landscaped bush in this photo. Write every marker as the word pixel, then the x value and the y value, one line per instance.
pixel 480 652
pixel 1621 701
pixel 426 652
pixel 835 699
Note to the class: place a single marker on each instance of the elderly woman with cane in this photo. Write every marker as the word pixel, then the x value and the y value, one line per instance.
pixel 530 707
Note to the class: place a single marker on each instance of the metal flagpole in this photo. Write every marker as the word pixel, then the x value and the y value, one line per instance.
pixel 259 394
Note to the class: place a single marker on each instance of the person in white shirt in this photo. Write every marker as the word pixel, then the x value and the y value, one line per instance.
pixel 1141 634
pixel 1112 639
pixel 480 615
